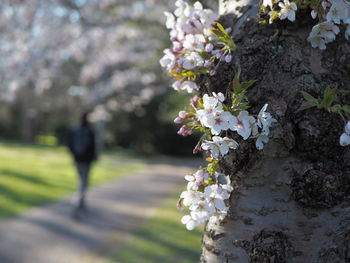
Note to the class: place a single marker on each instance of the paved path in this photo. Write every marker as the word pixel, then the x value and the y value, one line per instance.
pixel 50 235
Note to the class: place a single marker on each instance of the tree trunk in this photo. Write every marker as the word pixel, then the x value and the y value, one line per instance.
pixel 291 201
pixel 27 115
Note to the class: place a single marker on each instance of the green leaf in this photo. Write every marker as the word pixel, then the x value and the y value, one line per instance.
pixel 310 98
pixel 235 82
pixel 246 85
pixel 346 108
pixel 329 97
pixel 336 108
pixel 216 32
pixel 221 28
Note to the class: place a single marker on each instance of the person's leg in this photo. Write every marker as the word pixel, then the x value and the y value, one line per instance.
pixel 83 170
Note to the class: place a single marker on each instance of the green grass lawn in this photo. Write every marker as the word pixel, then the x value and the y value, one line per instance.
pixel 33 175
pixel 162 239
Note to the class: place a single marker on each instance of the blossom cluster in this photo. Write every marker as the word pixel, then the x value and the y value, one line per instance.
pixel 331 14
pixel 195 44
pixel 205 197
pixel 282 10
pixel 210 114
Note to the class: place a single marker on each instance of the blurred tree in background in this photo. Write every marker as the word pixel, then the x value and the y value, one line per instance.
pixel 61 57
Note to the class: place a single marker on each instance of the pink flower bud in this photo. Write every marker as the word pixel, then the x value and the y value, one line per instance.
pixel 181 131
pixel 178 120
pixel 324 4
pixel 207 64
pixel 183 114
pixel 209 47
pixel 212 72
pixel 184 131
pixel 313 14
pixel 197 149
pixel 218 55
pixel 194 100
pixel 188 132
pixel 179 205
pixel 228 58
pixel 228 30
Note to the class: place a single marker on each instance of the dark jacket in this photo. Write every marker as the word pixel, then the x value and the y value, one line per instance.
pixel 81 143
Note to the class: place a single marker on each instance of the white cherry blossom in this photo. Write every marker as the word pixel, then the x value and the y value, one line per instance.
pixel 261 140
pixel 347 20
pixel 243 124
pixel 194 42
pixel 267 3
pixel 219 96
pixel 192 60
pixel 212 109
pixel 208 17
pixel 212 147
pixel 201 211
pixel 219 146
pixel 322 34
pixel 170 20
pixel 196 179
pixel 228 188
pixel 188 86
pixel 317 41
pixel 168 61
pixel 209 103
pixel 190 197
pixel 221 121
pixel 265 120
pixel 345 137
pixel 347 32
pixel 214 198
pixel 176 85
pixel 338 12
pixel 181 5
pixel 192 182
pixel 347 127
pixel 287 10
pixel 190 222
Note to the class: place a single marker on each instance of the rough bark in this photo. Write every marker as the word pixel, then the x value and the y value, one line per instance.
pixel 291 201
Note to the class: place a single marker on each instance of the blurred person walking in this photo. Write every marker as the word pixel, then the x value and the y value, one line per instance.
pixel 81 143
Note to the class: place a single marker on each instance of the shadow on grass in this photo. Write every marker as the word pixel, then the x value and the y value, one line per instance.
pixel 163 239
pixel 24 176
pixel 26 194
